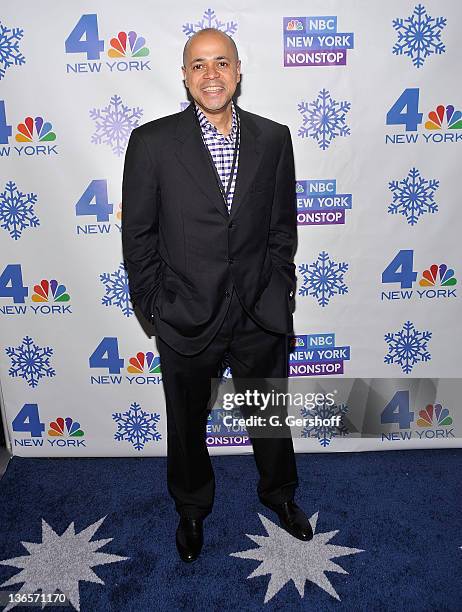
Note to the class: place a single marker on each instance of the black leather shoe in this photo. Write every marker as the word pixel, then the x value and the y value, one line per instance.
pixel 293 520
pixel 189 538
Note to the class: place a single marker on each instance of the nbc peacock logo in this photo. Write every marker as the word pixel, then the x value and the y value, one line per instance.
pixel 144 363
pixel 35 130
pixel 438 275
pixel 50 291
pixel 127 45
pixel 65 427
pixel 444 117
pixel 434 415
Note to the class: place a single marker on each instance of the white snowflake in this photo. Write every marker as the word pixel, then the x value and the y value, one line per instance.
pixel 59 562
pixel 30 361
pixel 287 559
pixel 419 35
pixel 413 196
pixel 17 210
pixel 117 290
pixel 114 124
pixel 324 119
pixel 9 48
pixel 137 426
pixel 407 347
pixel 324 433
pixel 323 279
pixel 210 20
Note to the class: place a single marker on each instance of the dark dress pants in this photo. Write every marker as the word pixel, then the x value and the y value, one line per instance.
pixel 251 351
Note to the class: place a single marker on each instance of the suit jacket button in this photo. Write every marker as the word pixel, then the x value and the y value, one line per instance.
pixel 291 293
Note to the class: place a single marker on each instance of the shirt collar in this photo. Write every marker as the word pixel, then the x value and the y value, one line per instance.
pixel 207 126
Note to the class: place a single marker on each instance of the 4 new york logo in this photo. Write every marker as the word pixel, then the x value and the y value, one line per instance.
pixel 48 297
pixel 33 135
pixel 433 422
pixel 314 41
pixel 126 50
pixel 317 355
pixel 142 369
pixel 94 202
pixel 442 124
pixel 318 203
pixel 62 432
pixel 438 281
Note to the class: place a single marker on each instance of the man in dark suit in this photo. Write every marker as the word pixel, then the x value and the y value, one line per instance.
pixel 209 236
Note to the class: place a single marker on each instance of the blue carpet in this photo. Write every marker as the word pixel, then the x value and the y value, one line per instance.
pixel 401 508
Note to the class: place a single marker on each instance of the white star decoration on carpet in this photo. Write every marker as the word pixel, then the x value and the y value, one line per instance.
pixel 285 558
pixel 59 562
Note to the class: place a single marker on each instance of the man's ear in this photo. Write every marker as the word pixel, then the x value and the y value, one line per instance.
pixel 183 69
pixel 239 70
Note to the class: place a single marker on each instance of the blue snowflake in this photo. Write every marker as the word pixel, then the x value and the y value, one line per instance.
pixel 30 361
pixel 117 290
pixel 324 433
pixel 419 35
pixel 114 124
pixel 413 196
pixel 323 278
pixel 17 210
pixel 210 20
pixel 407 347
pixel 136 426
pixel 9 48
pixel 324 119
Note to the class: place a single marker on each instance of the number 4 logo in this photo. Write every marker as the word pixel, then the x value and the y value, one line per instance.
pixel 400 269
pixel 86 26
pixel 405 111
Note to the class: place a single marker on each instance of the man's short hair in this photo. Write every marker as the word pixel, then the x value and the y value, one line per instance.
pixel 209 30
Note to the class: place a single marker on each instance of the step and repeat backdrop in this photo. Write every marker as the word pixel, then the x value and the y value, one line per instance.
pixel 372 95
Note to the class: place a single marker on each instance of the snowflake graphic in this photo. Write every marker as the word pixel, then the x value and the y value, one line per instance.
pixel 413 196
pixel 9 48
pixel 324 433
pixel 114 124
pixel 117 290
pixel 323 278
pixel 419 35
pixel 17 210
pixel 210 20
pixel 30 361
pixel 324 119
pixel 407 347
pixel 137 426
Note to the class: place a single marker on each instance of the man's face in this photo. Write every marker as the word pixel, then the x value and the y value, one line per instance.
pixel 211 71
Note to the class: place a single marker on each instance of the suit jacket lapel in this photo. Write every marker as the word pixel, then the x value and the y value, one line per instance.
pixel 250 154
pixel 194 158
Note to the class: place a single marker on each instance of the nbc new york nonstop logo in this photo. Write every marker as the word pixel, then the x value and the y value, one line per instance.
pixel 47 296
pixel 33 136
pixel 126 51
pixel 399 422
pixel 314 41
pixel 29 430
pixel 94 203
pixel 317 355
pixel 318 202
pixel 443 123
pixel 435 282
pixel 108 366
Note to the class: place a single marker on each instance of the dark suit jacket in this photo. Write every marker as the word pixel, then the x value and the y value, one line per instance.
pixel 184 252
